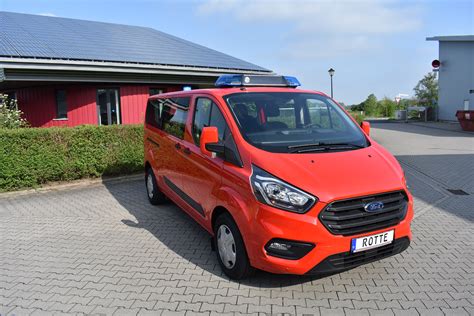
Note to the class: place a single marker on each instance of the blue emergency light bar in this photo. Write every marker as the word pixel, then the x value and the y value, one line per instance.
pixel 256 81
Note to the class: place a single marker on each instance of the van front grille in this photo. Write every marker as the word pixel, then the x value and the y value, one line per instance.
pixel 349 217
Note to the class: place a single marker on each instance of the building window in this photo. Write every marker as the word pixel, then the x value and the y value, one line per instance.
pixel 154 91
pixel 61 105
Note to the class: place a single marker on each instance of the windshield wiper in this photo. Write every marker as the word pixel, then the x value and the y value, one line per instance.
pixel 321 147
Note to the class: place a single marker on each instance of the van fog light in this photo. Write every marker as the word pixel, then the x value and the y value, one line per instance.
pixel 288 249
pixel 279 246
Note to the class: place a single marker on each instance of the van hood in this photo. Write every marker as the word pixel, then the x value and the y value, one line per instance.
pixel 336 175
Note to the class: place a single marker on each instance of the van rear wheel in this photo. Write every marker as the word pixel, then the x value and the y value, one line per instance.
pixel 155 196
pixel 230 248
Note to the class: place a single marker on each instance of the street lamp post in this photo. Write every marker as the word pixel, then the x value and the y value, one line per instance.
pixel 331 73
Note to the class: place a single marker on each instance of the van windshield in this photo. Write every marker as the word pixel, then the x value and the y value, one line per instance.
pixel 292 122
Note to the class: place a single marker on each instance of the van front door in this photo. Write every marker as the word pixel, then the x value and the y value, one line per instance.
pixel 203 173
pixel 108 106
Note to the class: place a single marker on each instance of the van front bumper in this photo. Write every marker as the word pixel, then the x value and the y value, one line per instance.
pixel 347 260
pixel 331 253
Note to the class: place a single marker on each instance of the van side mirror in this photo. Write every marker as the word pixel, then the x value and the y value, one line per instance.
pixel 209 136
pixel 227 149
pixel 365 127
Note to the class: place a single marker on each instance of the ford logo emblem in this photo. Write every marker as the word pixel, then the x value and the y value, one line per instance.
pixel 373 206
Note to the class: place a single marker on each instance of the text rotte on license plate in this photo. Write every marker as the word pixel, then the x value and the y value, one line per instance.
pixel 372 241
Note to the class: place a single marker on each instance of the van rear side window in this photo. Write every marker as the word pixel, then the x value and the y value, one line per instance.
pixel 168 114
pixel 153 113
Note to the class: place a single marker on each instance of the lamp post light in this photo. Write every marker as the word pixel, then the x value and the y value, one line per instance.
pixel 331 73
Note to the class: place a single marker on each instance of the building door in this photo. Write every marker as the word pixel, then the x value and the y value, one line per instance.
pixel 108 106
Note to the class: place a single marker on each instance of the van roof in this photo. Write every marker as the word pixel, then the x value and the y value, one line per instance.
pixel 219 92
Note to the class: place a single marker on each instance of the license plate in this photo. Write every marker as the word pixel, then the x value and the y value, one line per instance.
pixel 372 241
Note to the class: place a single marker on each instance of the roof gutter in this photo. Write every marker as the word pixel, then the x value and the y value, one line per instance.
pixel 102 66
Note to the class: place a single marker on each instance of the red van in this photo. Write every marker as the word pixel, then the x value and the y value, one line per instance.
pixel 283 179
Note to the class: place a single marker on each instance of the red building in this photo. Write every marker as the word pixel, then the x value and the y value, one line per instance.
pixel 67 72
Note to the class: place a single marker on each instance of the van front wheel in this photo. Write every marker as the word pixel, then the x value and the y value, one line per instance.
pixel 155 196
pixel 230 248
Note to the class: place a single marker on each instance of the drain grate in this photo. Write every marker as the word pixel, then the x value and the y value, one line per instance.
pixel 457 192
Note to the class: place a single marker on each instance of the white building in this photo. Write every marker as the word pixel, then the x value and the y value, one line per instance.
pixel 456 75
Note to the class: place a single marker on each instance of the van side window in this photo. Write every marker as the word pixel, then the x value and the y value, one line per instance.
pixel 207 113
pixel 173 116
pixel 218 120
pixel 153 113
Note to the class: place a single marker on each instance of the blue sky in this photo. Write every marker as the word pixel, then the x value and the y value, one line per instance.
pixel 374 46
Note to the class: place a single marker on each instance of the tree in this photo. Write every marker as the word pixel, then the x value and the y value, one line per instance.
pixel 357 107
pixel 426 91
pixel 386 107
pixel 370 105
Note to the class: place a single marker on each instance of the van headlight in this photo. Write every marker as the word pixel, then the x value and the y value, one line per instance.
pixel 274 192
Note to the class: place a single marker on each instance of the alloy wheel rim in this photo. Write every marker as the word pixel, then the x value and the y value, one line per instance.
pixel 226 246
pixel 149 185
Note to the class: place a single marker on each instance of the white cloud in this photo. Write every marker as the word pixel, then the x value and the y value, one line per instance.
pixel 349 16
pixel 48 14
pixel 314 28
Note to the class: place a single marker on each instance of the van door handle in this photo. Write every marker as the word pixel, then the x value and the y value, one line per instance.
pixel 187 151
pixel 177 146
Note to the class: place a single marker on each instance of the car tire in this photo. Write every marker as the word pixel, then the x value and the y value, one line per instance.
pixel 155 196
pixel 230 248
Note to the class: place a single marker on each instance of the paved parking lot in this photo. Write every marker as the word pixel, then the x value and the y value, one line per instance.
pixel 104 250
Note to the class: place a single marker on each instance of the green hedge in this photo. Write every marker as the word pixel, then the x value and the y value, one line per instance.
pixel 32 156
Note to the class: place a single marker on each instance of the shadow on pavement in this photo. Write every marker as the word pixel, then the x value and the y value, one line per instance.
pixel 182 235
pixel 454 172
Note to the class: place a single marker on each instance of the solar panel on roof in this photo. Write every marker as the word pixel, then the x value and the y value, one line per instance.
pixel 26 35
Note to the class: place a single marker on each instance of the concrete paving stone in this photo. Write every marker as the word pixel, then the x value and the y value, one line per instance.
pixel 259 309
pixel 225 299
pixel 143 304
pixel 355 312
pixel 429 311
pixel 146 312
pixel 101 310
pixel 204 298
pixel 283 310
pixel 306 295
pixel 122 303
pixel 340 304
pixel 332 311
pixel 307 311
pixel 126 311
pixel 455 311
pixel 61 307
pixel 236 308
pixel 383 312
pixel 96 293
pixel 212 307
pixel 349 296
pixel 39 304
pixel 364 304
pixel 248 300
pixel 318 302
